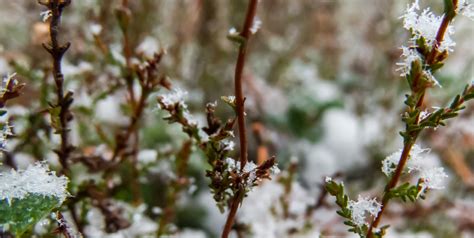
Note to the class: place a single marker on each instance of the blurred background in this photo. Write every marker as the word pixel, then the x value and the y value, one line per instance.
pixel 322 94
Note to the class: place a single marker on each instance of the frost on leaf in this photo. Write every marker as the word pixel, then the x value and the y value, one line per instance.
pixel 28 195
pixel 362 207
pixel 426 25
pixel 176 97
pixel 429 176
pixel 390 163
pixel 409 56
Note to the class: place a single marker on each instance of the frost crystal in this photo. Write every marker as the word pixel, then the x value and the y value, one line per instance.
pixel 177 96
pixel 424 115
pixel 426 25
pixel 4 133
pixel 466 8
pixel 45 15
pixel 229 99
pixel 36 179
pixel 363 206
pixel 6 81
pixel 432 79
pixel 409 56
pixel 229 145
pixel 235 165
pixel 433 178
pixel 257 23
pixel 390 163
pixel 233 32
pixel 95 29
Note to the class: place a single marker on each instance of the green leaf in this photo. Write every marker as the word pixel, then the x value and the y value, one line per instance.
pixel 19 215
pixel 55 119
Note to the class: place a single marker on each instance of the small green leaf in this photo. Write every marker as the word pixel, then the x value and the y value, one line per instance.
pixel 18 215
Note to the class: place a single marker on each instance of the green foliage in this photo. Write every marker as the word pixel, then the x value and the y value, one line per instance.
pixel 406 192
pixel 342 200
pixel 19 215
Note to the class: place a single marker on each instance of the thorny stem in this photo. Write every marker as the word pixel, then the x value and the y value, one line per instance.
pixel 239 97
pixel 409 144
pixel 57 51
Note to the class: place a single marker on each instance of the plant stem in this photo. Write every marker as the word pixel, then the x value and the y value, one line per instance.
pixel 231 217
pixel 409 144
pixel 239 68
pixel 57 51
pixel 239 97
pixel 392 183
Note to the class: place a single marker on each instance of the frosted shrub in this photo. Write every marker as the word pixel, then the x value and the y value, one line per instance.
pixel 170 119
pixel 427 52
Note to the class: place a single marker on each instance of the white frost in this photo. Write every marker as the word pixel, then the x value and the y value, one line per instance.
pixel 257 23
pixel 362 207
pixel 177 96
pixel 426 25
pixel 409 56
pixel 45 15
pixel 466 8
pixel 433 178
pixel 414 163
pixel 36 179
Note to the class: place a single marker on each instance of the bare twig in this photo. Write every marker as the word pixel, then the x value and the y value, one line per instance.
pixel 56 50
pixel 239 96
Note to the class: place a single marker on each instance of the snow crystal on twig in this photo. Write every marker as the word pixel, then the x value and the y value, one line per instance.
pixel 361 207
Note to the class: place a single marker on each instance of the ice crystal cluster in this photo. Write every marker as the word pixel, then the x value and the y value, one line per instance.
pixel 4 133
pixel 426 24
pixel 37 179
pixel 177 96
pixel 432 177
pixel 257 23
pixel 363 207
pixel 466 8
pixel 409 55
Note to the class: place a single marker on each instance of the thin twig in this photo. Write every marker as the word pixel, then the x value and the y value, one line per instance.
pixel 63 102
pixel 239 69
pixel 239 97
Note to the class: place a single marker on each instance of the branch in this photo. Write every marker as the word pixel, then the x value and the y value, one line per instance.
pixel 239 68
pixel 410 138
pixel 60 114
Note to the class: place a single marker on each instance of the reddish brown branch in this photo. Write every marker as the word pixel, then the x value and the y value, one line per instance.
pixel 231 217
pixel 239 68
pixel 392 183
pixel 239 97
